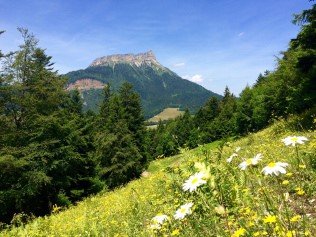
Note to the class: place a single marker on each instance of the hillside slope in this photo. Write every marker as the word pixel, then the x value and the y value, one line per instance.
pixel 157 86
pixel 233 202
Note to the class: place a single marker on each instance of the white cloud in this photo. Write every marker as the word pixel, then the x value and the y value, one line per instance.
pixel 241 34
pixel 196 78
pixel 178 64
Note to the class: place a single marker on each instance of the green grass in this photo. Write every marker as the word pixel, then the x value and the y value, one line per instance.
pixel 166 114
pixel 233 202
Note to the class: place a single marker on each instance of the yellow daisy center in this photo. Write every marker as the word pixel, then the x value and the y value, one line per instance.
pixel 249 161
pixel 271 164
pixel 195 180
pixel 183 210
pixel 294 139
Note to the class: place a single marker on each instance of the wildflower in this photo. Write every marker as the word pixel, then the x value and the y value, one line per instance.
pixel 229 159
pixel 290 233
pixel 256 234
pixel 160 218
pixel 239 232
pixel 302 166
pixel 285 182
pixel 295 218
pixel 220 210
pixel 157 221
pixel 252 161
pixel 203 169
pixel 194 182
pixel 269 219
pixel 293 140
pixel 275 168
pixel 307 233
pixel 299 191
pixel 155 226
pixel 250 224
pixel 175 232
pixel 183 211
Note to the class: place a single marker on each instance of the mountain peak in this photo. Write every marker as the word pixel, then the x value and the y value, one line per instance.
pixel 148 58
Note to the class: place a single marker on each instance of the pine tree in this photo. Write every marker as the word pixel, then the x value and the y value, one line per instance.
pixel 120 138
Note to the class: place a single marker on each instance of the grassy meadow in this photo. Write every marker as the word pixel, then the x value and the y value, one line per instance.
pixel 231 198
pixel 166 114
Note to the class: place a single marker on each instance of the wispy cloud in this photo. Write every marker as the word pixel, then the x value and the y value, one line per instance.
pixel 195 78
pixel 178 65
pixel 241 34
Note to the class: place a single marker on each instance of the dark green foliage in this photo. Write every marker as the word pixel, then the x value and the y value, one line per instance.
pixel 120 139
pixel 45 141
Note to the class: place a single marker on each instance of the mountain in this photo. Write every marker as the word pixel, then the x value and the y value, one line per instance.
pixel 157 85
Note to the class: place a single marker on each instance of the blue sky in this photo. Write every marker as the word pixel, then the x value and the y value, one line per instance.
pixel 212 42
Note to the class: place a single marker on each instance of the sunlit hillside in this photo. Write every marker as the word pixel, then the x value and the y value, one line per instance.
pixel 235 188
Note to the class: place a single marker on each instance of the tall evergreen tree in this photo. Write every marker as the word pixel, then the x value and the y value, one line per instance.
pixel 119 140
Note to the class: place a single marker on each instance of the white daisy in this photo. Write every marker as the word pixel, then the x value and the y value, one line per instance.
pixel 293 140
pixel 229 159
pixel 252 161
pixel 275 168
pixel 160 218
pixel 194 182
pixel 155 226
pixel 183 211
pixel 157 221
pixel 237 149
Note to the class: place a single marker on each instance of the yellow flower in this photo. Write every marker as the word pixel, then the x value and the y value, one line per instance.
pixel 175 232
pixel 295 218
pixel 256 234
pixel 285 182
pixel 302 166
pixel 269 219
pixel 299 191
pixel 307 233
pixel 289 174
pixel 240 232
pixel 290 233
pixel 250 224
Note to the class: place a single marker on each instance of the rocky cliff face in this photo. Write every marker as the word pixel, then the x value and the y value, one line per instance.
pixel 85 84
pixel 147 58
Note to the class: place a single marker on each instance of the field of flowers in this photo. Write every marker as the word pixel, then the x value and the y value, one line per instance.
pixel 260 185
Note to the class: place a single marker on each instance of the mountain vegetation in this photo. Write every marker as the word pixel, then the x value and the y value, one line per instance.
pixel 53 154
pixel 157 86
